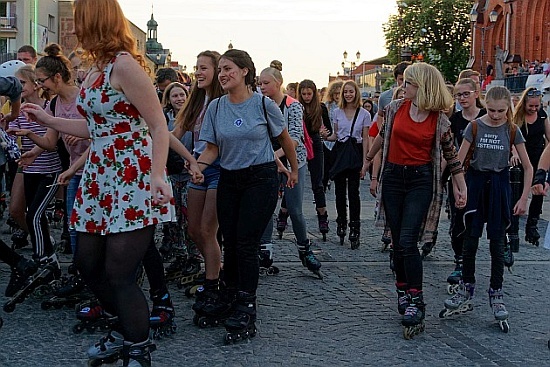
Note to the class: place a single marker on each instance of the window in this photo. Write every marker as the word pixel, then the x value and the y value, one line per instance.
pixel 51 23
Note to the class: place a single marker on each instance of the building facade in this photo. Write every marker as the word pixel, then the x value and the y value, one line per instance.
pixel 521 29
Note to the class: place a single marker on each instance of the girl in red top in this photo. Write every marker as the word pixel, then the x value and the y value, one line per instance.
pixel 415 135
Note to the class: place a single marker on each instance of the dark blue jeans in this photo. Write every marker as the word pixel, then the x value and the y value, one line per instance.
pixel 246 200
pixel 406 195
pixel 316 168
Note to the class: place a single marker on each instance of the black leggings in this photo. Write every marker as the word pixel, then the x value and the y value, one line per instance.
pixel 109 265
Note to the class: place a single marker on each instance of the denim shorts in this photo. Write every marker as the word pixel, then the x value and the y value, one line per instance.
pixel 211 177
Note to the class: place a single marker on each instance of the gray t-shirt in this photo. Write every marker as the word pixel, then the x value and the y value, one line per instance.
pixel 492 146
pixel 240 130
pixel 385 99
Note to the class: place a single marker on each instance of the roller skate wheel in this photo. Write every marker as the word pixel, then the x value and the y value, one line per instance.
pixel 77 329
pixel 196 320
pixel 1 322
pixel 280 235
pixel 443 313
pixel 45 305
pixel 504 326
pixel 228 339
pixel 9 307
pixel 203 322
pixel 342 241
pixel 318 273
pixel 452 289
pixel 324 237
pixel 90 329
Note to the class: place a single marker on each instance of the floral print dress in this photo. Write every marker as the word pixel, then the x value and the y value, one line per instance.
pixel 115 192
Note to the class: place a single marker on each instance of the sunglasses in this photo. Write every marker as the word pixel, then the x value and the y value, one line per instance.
pixel 463 94
pixel 406 83
pixel 534 93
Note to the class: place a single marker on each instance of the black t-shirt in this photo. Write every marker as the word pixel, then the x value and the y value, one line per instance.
pixel 459 123
pixel 534 136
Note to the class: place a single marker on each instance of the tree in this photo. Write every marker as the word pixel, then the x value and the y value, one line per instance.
pixel 438 30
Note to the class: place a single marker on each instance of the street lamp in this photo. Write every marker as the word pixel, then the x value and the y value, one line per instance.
pixel 493 16
pixel 352 64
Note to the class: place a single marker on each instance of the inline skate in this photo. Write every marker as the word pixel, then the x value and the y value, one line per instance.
pixel 532 234
pixel 413 319
pixel 499 310
pixel 265 256
pixel 107 350
pixel 20 275
pixel 428 247
pixel 508 256
pixel 69 294
pixel 402 298
pixel 461 302
pixel 138 354
pixel 386 242
pixel 354 233
pixel 455 277
pixel 162 316
pixel 41 283
pixel 308 259
pixel 282 222
pixel 19 238
pixel 342 226
pixel 212 306
pixel 183 270
pixel 92 316
pixel 322 219
pixel 55 213
pixel 241 324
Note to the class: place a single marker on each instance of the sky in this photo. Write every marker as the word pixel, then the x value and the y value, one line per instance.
pixel 307 36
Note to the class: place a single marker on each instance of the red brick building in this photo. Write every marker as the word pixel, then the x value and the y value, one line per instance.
pixel 521 29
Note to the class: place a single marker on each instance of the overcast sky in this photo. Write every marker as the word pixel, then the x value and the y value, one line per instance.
pixel 307 36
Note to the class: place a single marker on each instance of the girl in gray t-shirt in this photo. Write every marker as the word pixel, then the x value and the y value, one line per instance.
pixel 489 198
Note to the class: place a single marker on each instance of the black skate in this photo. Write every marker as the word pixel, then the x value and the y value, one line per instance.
pixel 39 284
pixel 69 294
pixel 162 316
pixel 182 270
pixel 138 354
pixel 190 273
pixel 354 233
pixel 402 300
pixel 342 226
pixel 455 277
pixel 241 324
pixel 309 260
pixel 20 275
pixel 19 238
pixel 531 231
pixel 386 242
pixel 413 319
pixel 213 304
pixel 64 244
pixel 92 317
pixel 194 287
pixel 265 256
pixel 282 222
pixel 508 255
pixel 323 225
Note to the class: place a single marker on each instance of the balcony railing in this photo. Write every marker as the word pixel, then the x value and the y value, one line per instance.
pixel 516 83
pixel 8 22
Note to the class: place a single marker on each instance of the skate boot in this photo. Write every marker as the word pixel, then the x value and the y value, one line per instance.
pixel 508 256
pixel 499 310
pixel 162 316
pixel 265 256
pixel 402 298
pixel 386 241
pixel 342 226
pixel 428 246
pixel 19 239
pixel 175 269
pixel 138 354
pixel 323 224
pixel 107 350
pixel 461 302
pixel 354 233
pixel 308 259
pixel 212 306
pixel 282 222
pixel 19 276
pixel 531 231
pixel 70 294
pixel 41 283
pixel 190 274
pixel 64 245
pixel 413 319
pixel 455 277
pixel 92 316
pixel 241 324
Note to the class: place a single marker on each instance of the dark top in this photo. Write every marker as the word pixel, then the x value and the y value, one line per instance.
pixel 458 125
pixel 534 136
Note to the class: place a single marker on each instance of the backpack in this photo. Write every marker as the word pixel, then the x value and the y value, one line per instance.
pixel 469 155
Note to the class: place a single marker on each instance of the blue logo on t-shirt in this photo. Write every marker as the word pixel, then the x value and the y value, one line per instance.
pixel 238 122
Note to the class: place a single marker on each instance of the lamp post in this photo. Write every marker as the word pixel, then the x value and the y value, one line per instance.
pixel 493 16
pixel 352 64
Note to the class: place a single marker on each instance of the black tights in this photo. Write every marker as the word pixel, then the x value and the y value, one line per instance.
pixel 109 265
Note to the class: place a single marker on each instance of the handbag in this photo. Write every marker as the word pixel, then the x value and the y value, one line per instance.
pixel 348 155
pixel 175 164
pixel 308 143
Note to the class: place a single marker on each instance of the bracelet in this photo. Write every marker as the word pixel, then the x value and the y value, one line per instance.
pixel 206 164
pixel 368 159
pixel 374 178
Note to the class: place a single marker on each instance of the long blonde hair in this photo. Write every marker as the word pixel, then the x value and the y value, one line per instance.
pixel 432 94
pixel 519 114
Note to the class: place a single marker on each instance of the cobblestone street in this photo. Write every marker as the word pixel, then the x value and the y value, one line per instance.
pixel 348 319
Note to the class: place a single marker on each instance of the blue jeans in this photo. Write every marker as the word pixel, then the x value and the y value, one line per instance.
pixel 246 200
pixel 72 188
pixel 294 200
pixel 406 195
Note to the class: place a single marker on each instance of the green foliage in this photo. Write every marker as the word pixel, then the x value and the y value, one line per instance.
pixel 437 29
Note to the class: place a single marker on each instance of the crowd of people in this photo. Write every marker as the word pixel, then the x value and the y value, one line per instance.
pixel 94 132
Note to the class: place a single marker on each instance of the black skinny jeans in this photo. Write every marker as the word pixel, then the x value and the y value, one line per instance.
pixel 496 247
pixel 316 168
pixel 406 195
pixel 246 200
pixel 347 183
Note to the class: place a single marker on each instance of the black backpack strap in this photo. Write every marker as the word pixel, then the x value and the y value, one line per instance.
pixel 53 102
pixel 265 116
